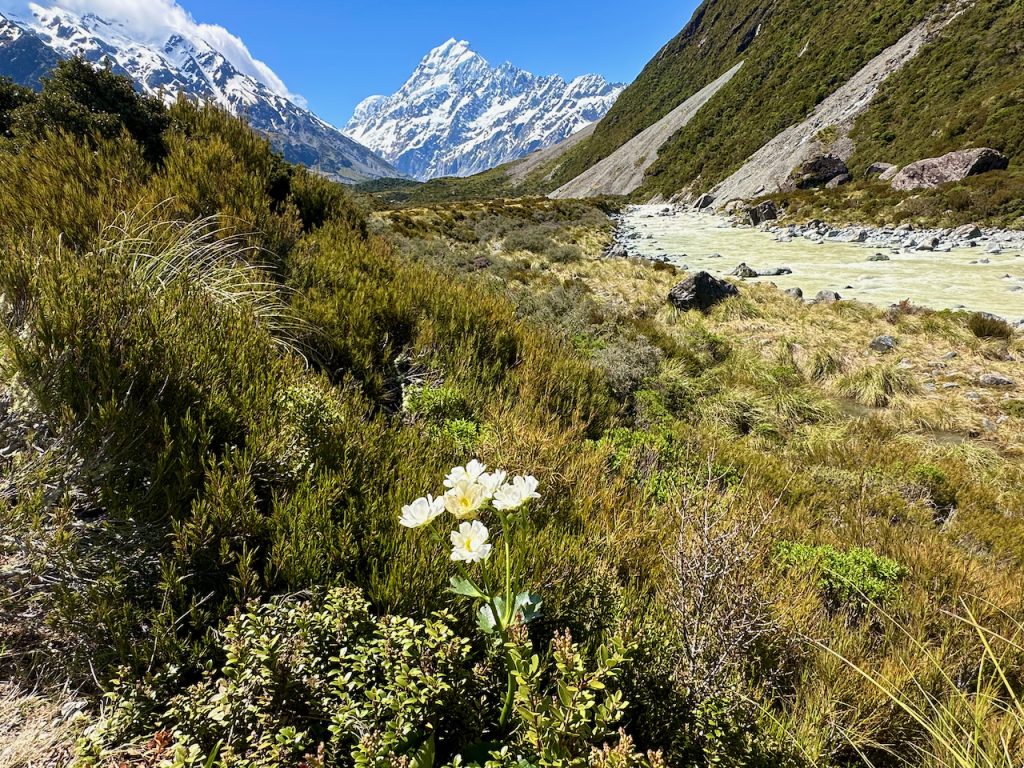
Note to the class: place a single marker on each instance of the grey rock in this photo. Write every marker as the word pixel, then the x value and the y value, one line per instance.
pixel 966 232
pixel 995 380
pixel 878 257
pixel 766 211
pixel 794 293
pixel 826 297
pixel 818 172
pixel 838 181
pixel 883 344
pixel 955 166
pixel 704 201
pixel 878 169
pixel 701 291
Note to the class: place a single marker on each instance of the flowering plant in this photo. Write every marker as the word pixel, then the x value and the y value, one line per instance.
pixel 473 493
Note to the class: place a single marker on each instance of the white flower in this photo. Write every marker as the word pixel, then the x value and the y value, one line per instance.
pixel 492 481
pixel 467 474
pixel 513 495
pixel 465 499
pixel 421 511
pixel 469 543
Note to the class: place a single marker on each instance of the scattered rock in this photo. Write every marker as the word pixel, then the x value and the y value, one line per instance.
pixel 883 344
pixel 995 380
pixel 744 272
pixel 794 293
pixel 838 181
pixel 826 297
pixel 878 257
pixel 955 166
pixel 701 291
pixel 950 356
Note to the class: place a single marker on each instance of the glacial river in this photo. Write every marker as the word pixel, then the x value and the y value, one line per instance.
pixel 936 280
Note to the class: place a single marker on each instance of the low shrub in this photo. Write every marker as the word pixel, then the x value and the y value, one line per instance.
pixel 986 326
pixel 856 577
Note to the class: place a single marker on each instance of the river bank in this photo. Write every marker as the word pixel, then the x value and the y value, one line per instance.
pixel 969 268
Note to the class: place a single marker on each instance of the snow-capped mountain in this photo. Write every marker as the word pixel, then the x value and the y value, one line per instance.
pixel 457 115
pixel 167 62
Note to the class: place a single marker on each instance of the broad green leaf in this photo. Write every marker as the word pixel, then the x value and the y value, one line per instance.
pixel 466 588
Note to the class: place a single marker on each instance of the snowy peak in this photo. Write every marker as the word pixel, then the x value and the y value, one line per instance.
pixel 458 115
pixel 166 62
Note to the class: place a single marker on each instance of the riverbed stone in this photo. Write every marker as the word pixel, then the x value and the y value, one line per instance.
pixel 878 257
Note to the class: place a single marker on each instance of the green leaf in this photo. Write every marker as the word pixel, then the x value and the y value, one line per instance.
pixel 564 694
pixel 466 588
pixel 485 619
pixel 527 606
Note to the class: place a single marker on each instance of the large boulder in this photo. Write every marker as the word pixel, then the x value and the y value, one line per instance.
pixel 818 172
pixel 701 291
pixel 956 166
pixel 838 181
pixel 766 211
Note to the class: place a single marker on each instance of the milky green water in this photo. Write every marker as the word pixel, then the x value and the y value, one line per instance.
pixel 936 280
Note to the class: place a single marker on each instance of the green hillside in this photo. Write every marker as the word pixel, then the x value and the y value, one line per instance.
pixel 797 52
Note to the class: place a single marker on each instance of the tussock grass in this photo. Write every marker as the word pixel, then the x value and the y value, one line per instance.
pixel 878 385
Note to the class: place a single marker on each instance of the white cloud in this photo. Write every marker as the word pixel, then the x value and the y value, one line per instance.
pixel 153 20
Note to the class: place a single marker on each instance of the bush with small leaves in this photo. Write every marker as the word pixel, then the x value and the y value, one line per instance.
pixel 854 578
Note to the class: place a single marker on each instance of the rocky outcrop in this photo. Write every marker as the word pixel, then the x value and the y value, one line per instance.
pixel 955 166
pixel 701 291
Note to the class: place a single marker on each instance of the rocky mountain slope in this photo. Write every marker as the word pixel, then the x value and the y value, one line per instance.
pixel 176 62
pixel 870 81
pixel 457 115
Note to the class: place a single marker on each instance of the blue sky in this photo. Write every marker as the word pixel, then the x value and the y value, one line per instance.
pixel 336 53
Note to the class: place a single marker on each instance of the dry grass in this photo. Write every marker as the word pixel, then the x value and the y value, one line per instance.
pixel 36 731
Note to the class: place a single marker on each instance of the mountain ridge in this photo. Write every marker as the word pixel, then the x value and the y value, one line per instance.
pixel 183 64
pixel 459 115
